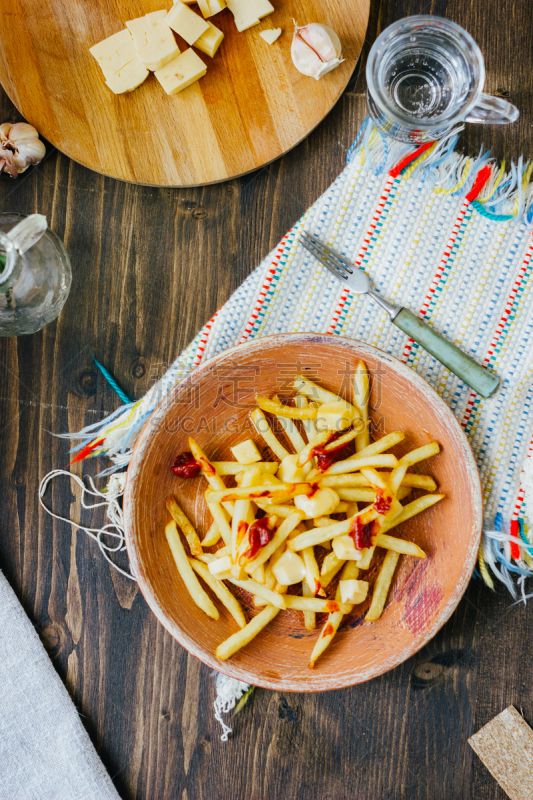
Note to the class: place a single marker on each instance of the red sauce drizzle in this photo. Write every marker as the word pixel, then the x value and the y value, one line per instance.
pixel 361 533
pixel 259 535
pixel 207 467
pixel 325 458
pixel 383 502
pixel 329 630
pixel 186 466
pixel 332 606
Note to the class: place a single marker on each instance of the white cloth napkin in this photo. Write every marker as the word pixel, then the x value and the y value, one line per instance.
pixel 45 752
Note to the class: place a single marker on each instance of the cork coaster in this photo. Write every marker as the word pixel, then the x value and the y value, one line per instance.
pixel 505 745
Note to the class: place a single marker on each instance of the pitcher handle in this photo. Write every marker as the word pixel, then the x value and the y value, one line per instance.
pixel 491 110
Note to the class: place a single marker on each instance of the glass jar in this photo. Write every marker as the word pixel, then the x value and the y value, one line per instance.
pixel 34 282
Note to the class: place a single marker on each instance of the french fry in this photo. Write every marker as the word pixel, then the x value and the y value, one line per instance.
pixel 278 510
pixel 399 545
pixel 221 590
pixel 374 449
pixel 326 579
pixel 286 527
pixel 343 440
pixel 251 586
pixel 291 431
pixel 368 554
pixel 239 525
pixel 212 536
pixel 420 454
pixel 258 574
pixel 374 478
pixel 243 637
pixel 309 616
pixel 367 495
pixel 419 482
pixel 411 510
pixel 350 572
pixel 192 584
pixel 382 586
pixel 313 572
pixel 306 454
pixel 221 517
pixel 316 604
pixel 259 492
pixel 396 477
pixel 279 409
pixel 208 470
pixel 319 535
pixel 316 392
pixel 357 495
pixel 308 424
pixel 330 562
pixel 263 428
pixel 356 463
pixel 361 390
pixel 188 530
pixel 233 467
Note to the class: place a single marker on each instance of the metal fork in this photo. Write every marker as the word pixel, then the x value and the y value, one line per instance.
pixel 473 374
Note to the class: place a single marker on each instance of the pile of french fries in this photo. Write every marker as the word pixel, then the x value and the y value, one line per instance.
pixel 288 526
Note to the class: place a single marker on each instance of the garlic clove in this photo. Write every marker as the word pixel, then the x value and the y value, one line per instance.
pixel 22 130
pixel 315 50
pixel 20 146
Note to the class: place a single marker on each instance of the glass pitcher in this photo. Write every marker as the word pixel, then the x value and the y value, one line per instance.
pixel 425 77
pixel 35 274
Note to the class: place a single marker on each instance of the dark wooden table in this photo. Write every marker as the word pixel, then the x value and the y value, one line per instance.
pixel 150 266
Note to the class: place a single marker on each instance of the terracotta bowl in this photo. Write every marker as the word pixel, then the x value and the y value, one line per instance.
pixel 213 404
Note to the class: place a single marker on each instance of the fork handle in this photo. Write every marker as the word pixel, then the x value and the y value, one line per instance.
pixel 473 374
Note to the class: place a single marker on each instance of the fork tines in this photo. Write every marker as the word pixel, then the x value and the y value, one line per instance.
pixel 331 260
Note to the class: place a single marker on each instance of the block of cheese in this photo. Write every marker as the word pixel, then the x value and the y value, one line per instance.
pixel 128 78
pixel 153 40
pixel 114 52
pixel 211 7
pixel 270 36
pixel 209 42
pixel 181 72
pixel 185 22
pixel 248 12
pixel 118 60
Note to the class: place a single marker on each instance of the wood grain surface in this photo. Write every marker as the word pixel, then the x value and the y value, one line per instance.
pixel 252 106
pixel 150 266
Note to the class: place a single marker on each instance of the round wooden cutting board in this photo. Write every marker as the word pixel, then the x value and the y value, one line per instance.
pixel 250 108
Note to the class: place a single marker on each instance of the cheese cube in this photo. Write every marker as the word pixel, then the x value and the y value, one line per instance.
pixel 323 502
pixel 335 416
pixel 114 52
pixel 154 41
pixel 209 42
pixel 270 36
pixel 221 568
pixel 211 7
pixel 289 569
pixel 128 78
pixel 344 549
pixel 248 12
pixel 246 452
pixel 185 22
pixel 290 472
pixel 181 72
pixel 353 591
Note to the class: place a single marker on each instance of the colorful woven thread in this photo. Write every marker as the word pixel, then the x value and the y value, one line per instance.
pixel 446 236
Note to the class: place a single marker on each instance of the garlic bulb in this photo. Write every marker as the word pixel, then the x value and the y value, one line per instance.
pixel 316 49
pixel 20 146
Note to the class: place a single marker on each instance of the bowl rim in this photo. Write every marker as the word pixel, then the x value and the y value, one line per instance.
pixel 226 667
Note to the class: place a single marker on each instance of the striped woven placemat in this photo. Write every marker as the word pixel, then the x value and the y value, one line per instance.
pixel 447 236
